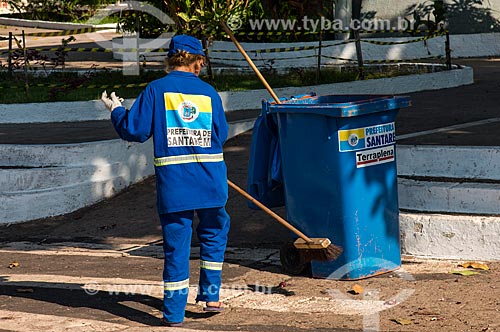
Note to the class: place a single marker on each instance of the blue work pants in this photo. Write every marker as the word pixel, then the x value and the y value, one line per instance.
pixel 212 233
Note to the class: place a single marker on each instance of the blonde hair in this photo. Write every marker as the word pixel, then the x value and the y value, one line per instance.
pixel 182 59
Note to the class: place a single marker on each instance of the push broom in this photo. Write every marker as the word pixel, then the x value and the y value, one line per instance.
pixel 320 249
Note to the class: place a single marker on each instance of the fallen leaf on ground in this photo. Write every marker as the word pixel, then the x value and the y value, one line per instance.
pixel 475 265
pixel 464 272
pixel 401 321
pixel 356 289
pixel 13 265
pixel 426 312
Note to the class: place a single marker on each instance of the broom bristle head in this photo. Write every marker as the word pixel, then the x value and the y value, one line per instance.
pixel 328 254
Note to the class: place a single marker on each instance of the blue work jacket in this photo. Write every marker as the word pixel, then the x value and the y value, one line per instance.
pixel 186 119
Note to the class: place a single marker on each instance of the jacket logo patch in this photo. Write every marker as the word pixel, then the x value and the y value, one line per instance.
pixel 188 120
pixel 188 111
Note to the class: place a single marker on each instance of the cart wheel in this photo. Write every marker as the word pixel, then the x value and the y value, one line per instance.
pixel 292 261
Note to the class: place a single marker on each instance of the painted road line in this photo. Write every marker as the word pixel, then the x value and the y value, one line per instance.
pixel 262 255
pixel 18 321
pixel 445 129
pixel 81 249
pixel 235 296
pixel 27 322
pixel 111 286
pixel 338 303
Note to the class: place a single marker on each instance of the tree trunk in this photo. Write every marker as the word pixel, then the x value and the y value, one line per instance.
pixel 343 10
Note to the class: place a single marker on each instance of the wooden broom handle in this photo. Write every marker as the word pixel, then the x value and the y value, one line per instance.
pixel 277 100
pixel 250 62
pixel 270 212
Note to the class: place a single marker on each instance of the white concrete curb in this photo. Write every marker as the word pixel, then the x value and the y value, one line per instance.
pixel 450 236
pixel 391 86
pixel 49 180
pixel 453 182
pixel 81 154
pixel 67 177
pixel 34 204
pixel 239 127
pixel 449 197
pixel 25 179
pixel 55 112
pixel 50 25
pixel 453 162
pixel 94 110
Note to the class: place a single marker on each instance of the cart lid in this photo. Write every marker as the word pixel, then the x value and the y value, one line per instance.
pixel 337 105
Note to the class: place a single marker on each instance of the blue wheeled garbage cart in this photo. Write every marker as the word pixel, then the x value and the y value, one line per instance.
pixel 338 164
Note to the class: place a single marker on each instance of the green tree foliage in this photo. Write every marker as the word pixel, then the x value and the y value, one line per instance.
pixel 57 10
pixel 279 9
pixel 199 18
pixel 428 15
pixel 202 18
pixel 460 16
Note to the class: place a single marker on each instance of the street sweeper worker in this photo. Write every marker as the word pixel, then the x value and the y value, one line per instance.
pixel 185 117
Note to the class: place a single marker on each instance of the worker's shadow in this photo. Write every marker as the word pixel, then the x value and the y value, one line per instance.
pixel 140 308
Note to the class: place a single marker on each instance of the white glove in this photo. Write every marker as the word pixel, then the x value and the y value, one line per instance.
pixel 112 101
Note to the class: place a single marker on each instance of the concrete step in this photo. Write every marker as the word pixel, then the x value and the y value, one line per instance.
pixel 17 180
pixel 38 181
pixel 449 197
pixel 92 153
pixel 449 179
pixel 461 162
pixel 21 179
pixel 19 206
pixel 450 236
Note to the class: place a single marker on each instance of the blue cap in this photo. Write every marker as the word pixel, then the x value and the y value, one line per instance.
pixel 185 43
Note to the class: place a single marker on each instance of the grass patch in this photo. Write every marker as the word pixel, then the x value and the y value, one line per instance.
pixel 298 77
pixel 70 86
